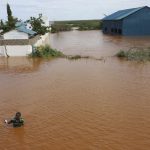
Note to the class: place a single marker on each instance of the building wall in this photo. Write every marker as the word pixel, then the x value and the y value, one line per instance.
pixel 112 27
pixel 31 41
pixel 16 50
pixel 137 23
pixel 14 42
pixel 2 51
pixel 14 34
pixel 18 47
pixel 44 39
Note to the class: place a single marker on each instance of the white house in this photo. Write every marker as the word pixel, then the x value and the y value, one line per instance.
pixel 20 41
pixel 19 35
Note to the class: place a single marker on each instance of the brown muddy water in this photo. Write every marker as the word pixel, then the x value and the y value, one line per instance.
pixel 77 105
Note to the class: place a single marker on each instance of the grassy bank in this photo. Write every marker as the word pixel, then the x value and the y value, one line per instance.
pixel 135 54
pixel 81 25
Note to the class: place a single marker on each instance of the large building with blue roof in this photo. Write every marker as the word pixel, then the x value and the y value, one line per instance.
pixel 128 22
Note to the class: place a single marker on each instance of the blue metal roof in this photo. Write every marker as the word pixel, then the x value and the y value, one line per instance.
pixel 21 26
pixel 122 13
pixel 19 23
pixel 25 30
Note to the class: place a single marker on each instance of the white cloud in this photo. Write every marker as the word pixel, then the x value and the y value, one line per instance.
pixel 67 9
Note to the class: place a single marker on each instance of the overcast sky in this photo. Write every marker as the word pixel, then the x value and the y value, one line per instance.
pixel 67 9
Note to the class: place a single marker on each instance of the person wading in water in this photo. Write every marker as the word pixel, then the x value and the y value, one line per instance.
pixel 17 121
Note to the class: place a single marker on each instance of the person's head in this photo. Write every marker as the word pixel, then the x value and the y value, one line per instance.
pixel 18 115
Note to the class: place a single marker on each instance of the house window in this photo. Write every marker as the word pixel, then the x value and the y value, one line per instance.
pixel 115 30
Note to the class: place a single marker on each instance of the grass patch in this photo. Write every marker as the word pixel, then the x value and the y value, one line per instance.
pixel 75 57
pixel 135 54
pixel 81 25
pixel 46 52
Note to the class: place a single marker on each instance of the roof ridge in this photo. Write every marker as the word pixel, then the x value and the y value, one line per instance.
pixel 132 8
pixel 25 30
pixel 120 14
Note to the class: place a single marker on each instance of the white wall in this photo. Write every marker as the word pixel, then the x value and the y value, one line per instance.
pixel 2 51
pixel 14 34
pixel 23 50
pixel 16 50
pixel 43 40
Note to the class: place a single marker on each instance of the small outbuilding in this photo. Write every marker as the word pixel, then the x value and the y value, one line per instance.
pixel 18 42
pixel 20 32
pixel 128 22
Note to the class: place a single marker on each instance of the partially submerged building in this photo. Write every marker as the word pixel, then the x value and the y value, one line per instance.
pixel 20 32
pixel 18 42
pixel 128 22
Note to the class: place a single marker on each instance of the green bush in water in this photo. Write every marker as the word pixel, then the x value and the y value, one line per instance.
pixel 137 55
pixel 75 57
pixel 46 51
pixel 121 54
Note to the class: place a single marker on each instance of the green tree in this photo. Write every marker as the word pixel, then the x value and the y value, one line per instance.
pixel 1 25
pixel 11 20
pixel 38 25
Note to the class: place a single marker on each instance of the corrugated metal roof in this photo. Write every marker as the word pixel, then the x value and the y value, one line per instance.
pixel 122 13
pixel 21 26
pixel 25 30
pixel 19 23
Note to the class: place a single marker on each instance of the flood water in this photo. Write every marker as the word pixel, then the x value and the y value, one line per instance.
pixel 81 104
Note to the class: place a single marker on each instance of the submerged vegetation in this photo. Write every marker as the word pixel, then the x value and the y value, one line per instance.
pixel 46 52
pixel 136 54
pixel 75 57
pixel 81 25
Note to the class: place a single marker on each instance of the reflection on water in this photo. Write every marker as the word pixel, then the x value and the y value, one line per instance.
pixel 94 43
pixel 76 105
pixel 19 64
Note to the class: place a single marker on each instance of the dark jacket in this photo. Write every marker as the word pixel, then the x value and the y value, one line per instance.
pixel 17 122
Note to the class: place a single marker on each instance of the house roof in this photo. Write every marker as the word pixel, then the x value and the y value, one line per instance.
pixel 122 13
pixel 25 30
pixel 19 23
pixel 20 26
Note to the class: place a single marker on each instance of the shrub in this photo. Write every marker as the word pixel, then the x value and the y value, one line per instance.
pixel 135 54
pixel 45 52
pixel 121 54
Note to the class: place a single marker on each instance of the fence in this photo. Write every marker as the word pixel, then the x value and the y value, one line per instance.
pixel 31 41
